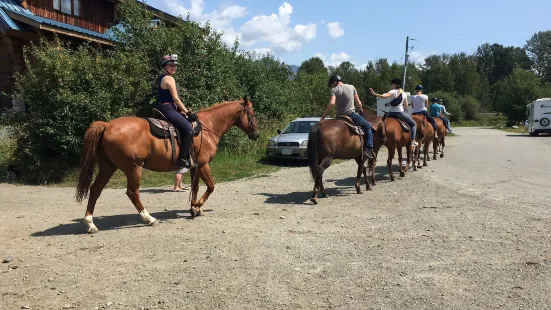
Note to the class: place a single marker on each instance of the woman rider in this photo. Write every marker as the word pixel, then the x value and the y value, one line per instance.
pixel 420 103
pixel 169 104
pixel 397 104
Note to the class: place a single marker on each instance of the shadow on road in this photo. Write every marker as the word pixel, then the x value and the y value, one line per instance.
pixel 113 222
pixel 298 198
pixel 161 191
pixel 527 136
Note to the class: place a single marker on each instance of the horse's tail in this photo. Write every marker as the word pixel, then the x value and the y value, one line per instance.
pixel 312 148
pixel 92 139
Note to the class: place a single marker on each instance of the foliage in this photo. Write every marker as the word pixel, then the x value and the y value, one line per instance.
pixel 538 48
pixel 516 91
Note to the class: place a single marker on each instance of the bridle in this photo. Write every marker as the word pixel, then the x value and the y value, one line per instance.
pixel 251 119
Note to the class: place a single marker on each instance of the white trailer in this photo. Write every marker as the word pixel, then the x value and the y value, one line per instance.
pixel 384 105
pixel 539 116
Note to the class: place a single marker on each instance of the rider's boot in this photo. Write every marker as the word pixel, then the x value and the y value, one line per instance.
pixel 368 152
pixel 184 158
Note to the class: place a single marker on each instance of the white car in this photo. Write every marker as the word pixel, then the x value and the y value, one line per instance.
pixel 291 142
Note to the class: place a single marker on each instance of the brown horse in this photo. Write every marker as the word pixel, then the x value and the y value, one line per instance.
pixel 425 134
pixel 332 139
pixel 440 141
pixel 396 138
pixel 126 143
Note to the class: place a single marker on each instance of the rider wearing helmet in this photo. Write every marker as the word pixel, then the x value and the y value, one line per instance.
pixel 435 108
pixel 420 103
pixel 397 104
pixel 173 108
pixel 443 115
pixel 344 96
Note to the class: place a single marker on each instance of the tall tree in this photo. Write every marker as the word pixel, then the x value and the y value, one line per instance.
pixel 516 91
pixel 539 51
pixel 497 62
pixel 466 79
pixel 437 76
pixel 312 66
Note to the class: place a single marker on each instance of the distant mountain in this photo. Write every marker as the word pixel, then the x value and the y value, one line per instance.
pixel 294 68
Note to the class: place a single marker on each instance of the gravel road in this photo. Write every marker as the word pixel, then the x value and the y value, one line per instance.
pixel 471 231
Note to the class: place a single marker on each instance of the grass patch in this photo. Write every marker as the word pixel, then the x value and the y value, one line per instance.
pixel 7 146
pixel 521 129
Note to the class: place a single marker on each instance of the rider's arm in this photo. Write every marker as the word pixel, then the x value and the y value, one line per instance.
pixel 358 102
pixel 405 102
pixel 329 107
pixel 384 96
pixel 444 110
pixel 427 103
pixel 171 84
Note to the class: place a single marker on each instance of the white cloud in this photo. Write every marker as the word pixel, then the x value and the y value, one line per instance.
pixel 220 19
pixel 336 59
pixel 263 50
pixel 362 66
pixel 335 30
pixel 418 57
pixel 275 29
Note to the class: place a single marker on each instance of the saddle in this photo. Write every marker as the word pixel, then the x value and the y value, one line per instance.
pixel 403 124
pixel 354 129
pixel 162 129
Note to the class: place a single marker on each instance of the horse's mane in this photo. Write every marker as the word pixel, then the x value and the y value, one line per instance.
pixel 218 105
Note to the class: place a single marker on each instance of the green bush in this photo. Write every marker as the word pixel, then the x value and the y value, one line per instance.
pixel 470 107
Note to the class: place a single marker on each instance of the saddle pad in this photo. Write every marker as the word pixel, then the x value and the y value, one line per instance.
pixel 404 125
pixel 160 128
pixel 356 130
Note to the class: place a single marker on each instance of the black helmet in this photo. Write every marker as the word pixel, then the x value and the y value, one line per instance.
pixel 434 99
pixel 419 87
pixel 334 78
pixel 397 81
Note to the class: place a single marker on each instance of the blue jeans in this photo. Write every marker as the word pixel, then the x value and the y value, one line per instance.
pixel 446 122
pixel 428 117
pixel 406 118
pixel 366 126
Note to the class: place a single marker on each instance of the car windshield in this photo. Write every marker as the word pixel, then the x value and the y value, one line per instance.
pixel 299 127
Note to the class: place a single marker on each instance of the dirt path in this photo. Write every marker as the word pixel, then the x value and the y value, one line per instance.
pixel 471 231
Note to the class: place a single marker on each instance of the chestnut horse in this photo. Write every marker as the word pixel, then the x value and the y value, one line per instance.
pixel 331 139
pixel 440 142
pixel 425 134
pixel 126 143
pixel 396 138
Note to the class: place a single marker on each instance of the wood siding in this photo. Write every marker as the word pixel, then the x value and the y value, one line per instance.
pixel 11 61
pixel 95 15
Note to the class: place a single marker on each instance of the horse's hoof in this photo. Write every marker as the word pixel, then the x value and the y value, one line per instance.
pixel 360 192
pixel 392 179
pixel 442 155
pixel 92 230
pixel 325 196
pixel 402 174
pixel 154 223
pixel 425 164
pixel 314 200
pixel 194 212
pixel 368 189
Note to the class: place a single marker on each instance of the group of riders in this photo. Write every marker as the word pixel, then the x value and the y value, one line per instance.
pixel 343 96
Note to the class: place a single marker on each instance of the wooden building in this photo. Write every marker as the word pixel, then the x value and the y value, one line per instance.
pixel 74 21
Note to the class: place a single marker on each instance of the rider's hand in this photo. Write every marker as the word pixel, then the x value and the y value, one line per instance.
pixel 322 118
pixel 372 92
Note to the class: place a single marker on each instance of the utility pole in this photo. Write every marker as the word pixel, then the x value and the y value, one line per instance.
pixel 406 63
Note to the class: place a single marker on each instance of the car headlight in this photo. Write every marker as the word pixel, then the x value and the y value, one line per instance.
pixel 304 143
pixel 271 143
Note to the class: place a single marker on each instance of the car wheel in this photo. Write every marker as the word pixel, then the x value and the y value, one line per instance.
pixel 544 122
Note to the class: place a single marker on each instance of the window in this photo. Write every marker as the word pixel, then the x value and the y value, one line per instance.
pixel 71 7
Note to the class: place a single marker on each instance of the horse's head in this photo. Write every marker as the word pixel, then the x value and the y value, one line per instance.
pixel 247 121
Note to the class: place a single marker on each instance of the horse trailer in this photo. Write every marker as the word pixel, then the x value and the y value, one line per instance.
pixel 539 116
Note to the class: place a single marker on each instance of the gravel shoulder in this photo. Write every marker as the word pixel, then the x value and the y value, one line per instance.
pixel 471 231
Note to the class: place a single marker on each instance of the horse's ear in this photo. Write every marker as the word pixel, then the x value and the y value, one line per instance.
pixel 246 99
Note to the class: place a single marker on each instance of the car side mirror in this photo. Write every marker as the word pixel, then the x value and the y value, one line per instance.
pixel 278 132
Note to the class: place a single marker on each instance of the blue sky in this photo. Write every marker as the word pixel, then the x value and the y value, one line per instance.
pixel 363 30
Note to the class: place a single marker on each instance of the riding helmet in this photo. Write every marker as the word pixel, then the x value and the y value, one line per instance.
pixel 434 99
pixel 419 87
pixel 334 78
pixel 397 81
pixel 169 59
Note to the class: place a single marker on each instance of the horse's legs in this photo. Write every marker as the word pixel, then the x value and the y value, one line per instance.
pixel 391 151
pixel 409 155
pixel 400 159
pixel 205 175
pixel 194 184
pixel 106 170
pixel 326 162
pixel 425 153
pixel 416 157
pixel 361 168
pixel 443 144
pixel 435 144
pixel 133 179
